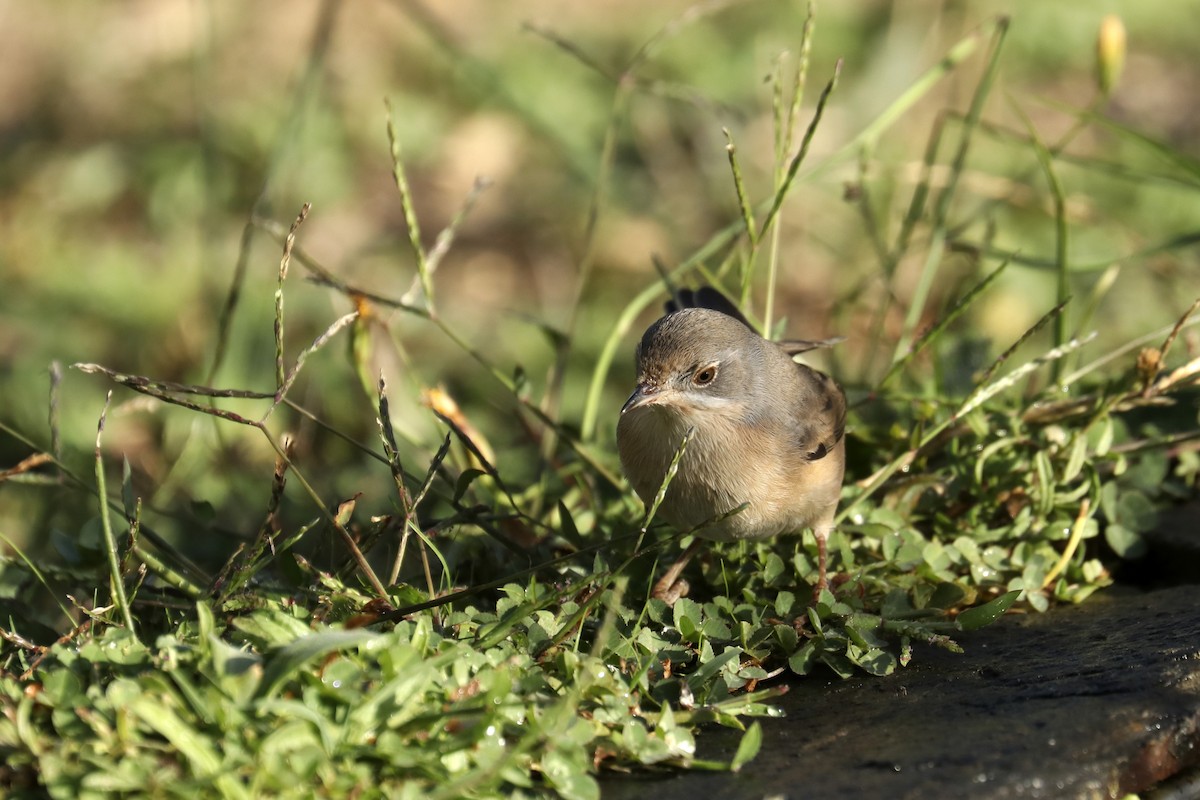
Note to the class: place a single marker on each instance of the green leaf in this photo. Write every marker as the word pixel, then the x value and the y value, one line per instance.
pixel 127 496
pixel 285 662
pixel 1103 433
pixel 875 661
pixel 688 615
pixel 946 595
pixel 60 688
pixel 785 601
pixel 838 662
pixel 570 531
pixel 1044 474
pixel 236 672
pixel 715 628
pixel 748 747
pixel 862 629
pixel 568 776
pixel 1076 459
pixel 272 628
pixel 772 569
pixel 711 667
pixel 1136 511
pixel 1125 543
pixel 981 616
pixel 193 744
pixel 464 482
pixel 116 646
pixel 896 604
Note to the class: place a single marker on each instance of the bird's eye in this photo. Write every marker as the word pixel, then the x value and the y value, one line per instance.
pixel 703 377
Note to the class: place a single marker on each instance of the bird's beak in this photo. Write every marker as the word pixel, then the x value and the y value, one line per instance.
pixel 645 394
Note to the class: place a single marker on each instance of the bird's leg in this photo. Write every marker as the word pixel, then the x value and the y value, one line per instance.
pixel 821 532
pixel 669 587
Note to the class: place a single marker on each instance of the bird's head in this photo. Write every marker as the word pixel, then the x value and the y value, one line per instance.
pixel 696 362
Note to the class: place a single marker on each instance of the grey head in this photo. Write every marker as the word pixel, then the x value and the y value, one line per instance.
pixel 699 359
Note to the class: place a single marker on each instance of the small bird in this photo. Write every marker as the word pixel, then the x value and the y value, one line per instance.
pixel 768 432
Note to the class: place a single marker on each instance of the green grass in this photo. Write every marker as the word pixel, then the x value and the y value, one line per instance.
pixel 355 525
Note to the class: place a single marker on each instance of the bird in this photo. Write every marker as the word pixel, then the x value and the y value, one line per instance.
pixel 766 432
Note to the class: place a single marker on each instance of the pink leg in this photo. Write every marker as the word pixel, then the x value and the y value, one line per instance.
pixel 822 583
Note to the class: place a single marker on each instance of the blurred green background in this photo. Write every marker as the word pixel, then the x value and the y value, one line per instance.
pixel 137 139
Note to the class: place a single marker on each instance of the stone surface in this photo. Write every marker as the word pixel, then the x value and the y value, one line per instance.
pixel 1091 701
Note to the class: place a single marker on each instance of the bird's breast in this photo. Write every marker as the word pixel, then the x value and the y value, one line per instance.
pixel 727 463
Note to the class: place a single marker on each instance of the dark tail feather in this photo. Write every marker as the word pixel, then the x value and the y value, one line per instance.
pixel 710 298
pixel 706 297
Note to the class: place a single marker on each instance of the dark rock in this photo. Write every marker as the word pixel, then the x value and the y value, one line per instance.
pixel 1097 700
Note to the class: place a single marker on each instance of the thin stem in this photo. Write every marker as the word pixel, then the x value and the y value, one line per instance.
pixel 284 261
pixel 110 540
pixel 1061 230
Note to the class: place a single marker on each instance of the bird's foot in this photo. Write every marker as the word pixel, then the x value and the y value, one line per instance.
pixel 669 589
pixel 818 587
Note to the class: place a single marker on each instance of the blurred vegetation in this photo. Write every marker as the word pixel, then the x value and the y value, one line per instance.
pixel 137 143
pixel 155 154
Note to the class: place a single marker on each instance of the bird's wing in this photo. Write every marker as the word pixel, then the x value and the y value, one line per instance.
pixel 797 346
pixel 820 426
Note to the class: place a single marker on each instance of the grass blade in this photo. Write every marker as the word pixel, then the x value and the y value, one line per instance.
pixel 110 540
